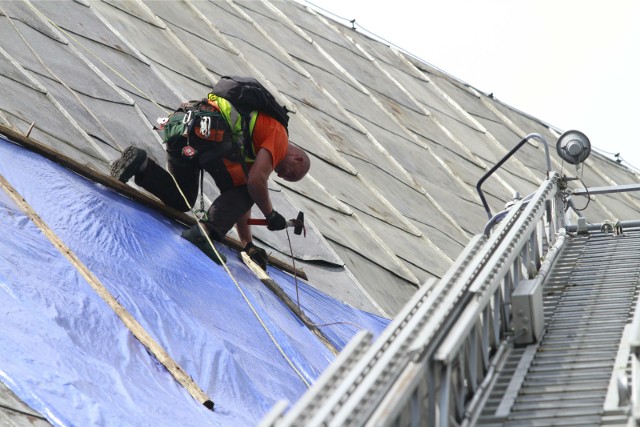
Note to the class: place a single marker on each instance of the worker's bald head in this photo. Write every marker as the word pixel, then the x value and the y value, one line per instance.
pixel 295 165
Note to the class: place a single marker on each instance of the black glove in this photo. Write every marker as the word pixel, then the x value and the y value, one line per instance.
pixel 257 255
pixel 275 221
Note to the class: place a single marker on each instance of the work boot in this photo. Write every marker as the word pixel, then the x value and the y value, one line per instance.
pixel 131 162
pixel 257 255
pixel 195 236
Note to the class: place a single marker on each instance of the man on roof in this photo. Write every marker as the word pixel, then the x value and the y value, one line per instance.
pixel 188 157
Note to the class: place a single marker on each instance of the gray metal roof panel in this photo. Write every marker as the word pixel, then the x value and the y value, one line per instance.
pixel 452 157
pixel 348 140
pixel 349 231
pixel 530 156
pixel 78 104
pixel 358 193
pixel 412 82
pixel 137 10
pixel 414 121
pixel 175 62
pixel 364 71
pixel 227 18
pixel 88 95
pixel 412 157
pixel 214 56
pixel 12 41
pixel 347 95
pixel 15 413
pixel 310 139
pixel 413 203
pixel 461 93
pixel 124 67
pixel 311 188
pixel 268 18
pixel 473 140
pixel 309 21
pixel 191 24
pixel 383 286
pixel 23 13
pixel 311 247
pixel 464 213
pixel 488 151
pixel 23 106
pixel 519 119
pixel 484 148
pixel 420 255
pixel 84 95
pixel 449 239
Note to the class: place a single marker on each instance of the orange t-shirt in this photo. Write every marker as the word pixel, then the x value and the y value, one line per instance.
pixel 268 134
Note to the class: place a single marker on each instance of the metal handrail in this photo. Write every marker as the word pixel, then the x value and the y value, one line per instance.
pixel 472 343
pixel 504 159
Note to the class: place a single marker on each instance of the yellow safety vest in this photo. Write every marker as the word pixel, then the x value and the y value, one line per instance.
pixel 234 120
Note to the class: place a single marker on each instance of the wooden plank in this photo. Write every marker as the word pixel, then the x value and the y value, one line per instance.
pixel 114 184
pixel 282 296
pixel 136 329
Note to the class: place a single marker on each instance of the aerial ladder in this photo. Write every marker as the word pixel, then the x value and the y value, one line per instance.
pixel 467 348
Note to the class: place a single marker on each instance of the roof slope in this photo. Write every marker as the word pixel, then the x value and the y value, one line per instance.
pixel 397 145
pixel 61 343
pixel 397 149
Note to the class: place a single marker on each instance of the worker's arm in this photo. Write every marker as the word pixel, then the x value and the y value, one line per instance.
pixel 258 187
pixel 258 179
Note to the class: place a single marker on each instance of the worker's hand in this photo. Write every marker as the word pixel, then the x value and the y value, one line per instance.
pixel 275 221
pixel 257 255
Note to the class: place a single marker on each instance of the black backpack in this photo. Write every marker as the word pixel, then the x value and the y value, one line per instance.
pixel 247 94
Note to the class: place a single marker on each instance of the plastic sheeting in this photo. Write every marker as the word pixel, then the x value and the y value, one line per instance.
pixel 66 354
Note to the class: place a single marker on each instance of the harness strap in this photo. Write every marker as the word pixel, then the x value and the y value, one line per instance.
pixel 246 142
pixel 201 213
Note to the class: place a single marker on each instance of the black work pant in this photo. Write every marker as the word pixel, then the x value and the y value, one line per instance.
pixel 225 210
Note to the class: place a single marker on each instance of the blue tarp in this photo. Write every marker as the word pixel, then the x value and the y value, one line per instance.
pixel 66 354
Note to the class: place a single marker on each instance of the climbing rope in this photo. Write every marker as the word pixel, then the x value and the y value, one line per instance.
pixel 235 282
pixel 295 278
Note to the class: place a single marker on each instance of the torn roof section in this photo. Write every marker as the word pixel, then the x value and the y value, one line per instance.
pixel 397 146
pixel 67 354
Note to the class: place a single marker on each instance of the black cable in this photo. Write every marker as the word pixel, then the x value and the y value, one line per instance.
pixel 588 196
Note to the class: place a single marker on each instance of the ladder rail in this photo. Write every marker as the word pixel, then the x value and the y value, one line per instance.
pixel 471 345
pixel 634 387
pixel 444 345
pixel 514 232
